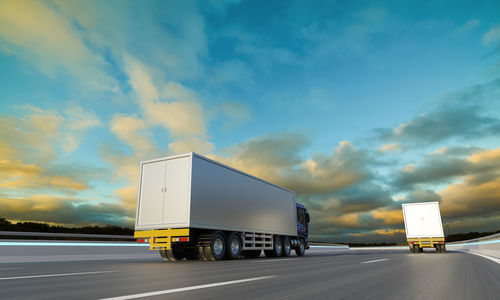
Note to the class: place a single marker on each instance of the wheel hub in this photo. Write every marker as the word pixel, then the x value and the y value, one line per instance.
pixel 235 246
pixel 218 246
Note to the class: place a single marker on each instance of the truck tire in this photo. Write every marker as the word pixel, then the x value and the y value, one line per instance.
pixel 287 246
pixel 301 248
pixel 216 248
pixel 412 249
pixel 443 248
pixel 233 246
pixel 420 250
pixel 176 254
pixel 201 253
pixel 163 255
pixel 277 246
pixel 199 248
pixel 277 250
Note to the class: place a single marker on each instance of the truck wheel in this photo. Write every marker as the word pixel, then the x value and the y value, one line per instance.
pixel 216 248
pixel 420 250
pixel 164 255
pixel 287 246
pixel 412 250
pixel 175 254
pixel 201 253
pixel 277 246
pixel 233 246
pixel 301 248
pixel 438 248
pixel 443 248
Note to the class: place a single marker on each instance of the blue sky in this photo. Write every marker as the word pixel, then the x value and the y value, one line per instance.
pixel 357 106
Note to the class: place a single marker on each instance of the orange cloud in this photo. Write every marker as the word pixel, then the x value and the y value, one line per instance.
pixel 384 232
pixel 485 156
pixel 15 174
pixel 390 217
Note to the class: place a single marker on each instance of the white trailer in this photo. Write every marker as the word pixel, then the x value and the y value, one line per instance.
pixel 423 226
pixel 190 206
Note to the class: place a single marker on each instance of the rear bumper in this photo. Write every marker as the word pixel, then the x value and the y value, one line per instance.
pixel 426 242
pixel 162 239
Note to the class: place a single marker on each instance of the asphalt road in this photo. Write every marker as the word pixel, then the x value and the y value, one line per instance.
pixel 318 275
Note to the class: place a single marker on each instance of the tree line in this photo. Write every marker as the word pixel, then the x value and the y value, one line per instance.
pixel 6 225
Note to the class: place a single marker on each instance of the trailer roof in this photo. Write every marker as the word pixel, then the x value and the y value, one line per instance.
pixel 215 162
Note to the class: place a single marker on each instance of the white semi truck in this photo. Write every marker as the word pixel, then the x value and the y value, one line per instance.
pixel 423 226
pixel 192 207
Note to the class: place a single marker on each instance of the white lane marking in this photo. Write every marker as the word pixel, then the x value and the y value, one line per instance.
pixel 188 288
pixel 9 268
pixel 376 260
pixel 487 257
pixel 269 260
pixel 54 275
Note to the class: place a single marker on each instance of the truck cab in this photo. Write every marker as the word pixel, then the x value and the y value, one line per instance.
pixel 303 223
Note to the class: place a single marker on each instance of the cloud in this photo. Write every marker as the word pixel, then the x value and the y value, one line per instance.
pixel 63 210
pixel 390 147
pixel 37 33
pixel 422 196
pixel 350 209
pixel 324 173
pixel 493 35
pixel 442 124
pixel 448 164
pixel 388 216
pixel 31 136
pixel 276 157
pixel 472 224
pixel 370 235
pixel 460 115
pixel 266 156
pixel 132 131
pixel 175 107
pixel 469 199
pixel 473 177
pixel 38 134
pixel 15 174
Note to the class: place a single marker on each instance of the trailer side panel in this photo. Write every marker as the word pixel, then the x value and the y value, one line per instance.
pixel 226 199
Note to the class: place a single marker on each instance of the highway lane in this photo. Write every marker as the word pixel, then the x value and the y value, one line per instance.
pixel 320 274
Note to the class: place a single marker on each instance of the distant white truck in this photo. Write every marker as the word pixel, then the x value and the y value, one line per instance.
pixel 423 226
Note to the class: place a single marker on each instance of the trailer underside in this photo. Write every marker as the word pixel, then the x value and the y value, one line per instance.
pixel 204 244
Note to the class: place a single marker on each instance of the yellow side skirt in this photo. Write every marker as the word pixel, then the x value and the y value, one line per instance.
pixel 162 239
pixel 426 242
